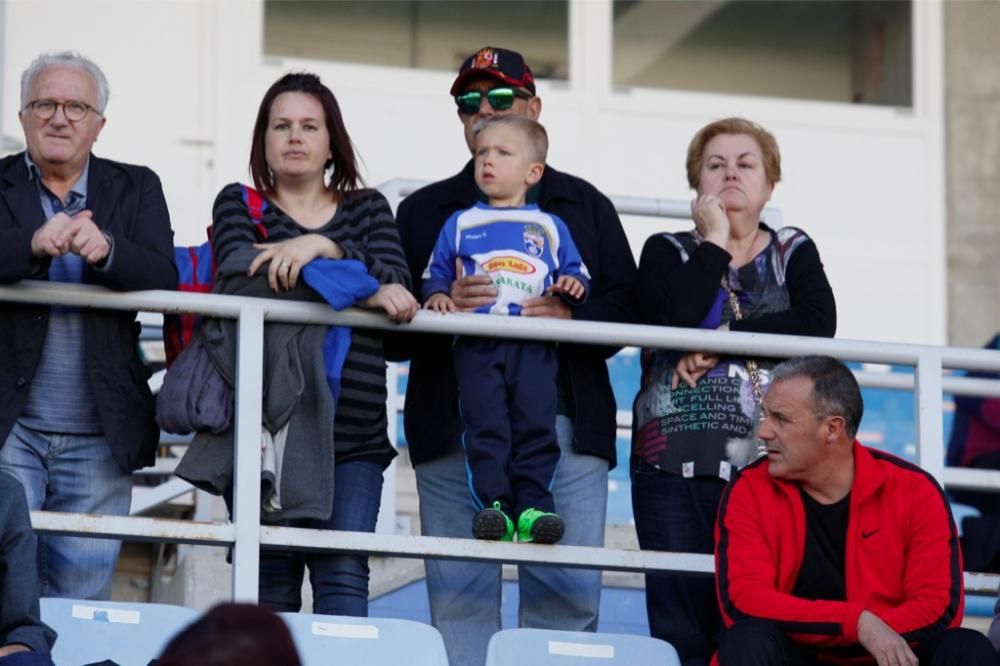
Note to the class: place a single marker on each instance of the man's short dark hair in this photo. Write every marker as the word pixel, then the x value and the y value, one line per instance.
pixel 835 390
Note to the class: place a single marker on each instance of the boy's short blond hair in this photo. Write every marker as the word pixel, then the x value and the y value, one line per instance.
pixel 536 139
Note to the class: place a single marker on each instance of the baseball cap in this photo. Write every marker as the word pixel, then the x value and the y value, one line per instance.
pixel 501 64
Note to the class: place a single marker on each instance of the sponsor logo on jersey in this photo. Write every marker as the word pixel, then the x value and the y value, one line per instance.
pixel 509 264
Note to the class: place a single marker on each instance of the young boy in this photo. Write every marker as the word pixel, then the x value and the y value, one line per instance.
pixel 507 389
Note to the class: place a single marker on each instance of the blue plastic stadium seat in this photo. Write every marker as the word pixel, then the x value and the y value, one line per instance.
pixel 541 647
pixel 128 634
pixel 980 605
pixel 323 640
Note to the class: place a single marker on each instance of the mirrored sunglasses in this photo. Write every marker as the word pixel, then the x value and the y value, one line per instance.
pixel 500 99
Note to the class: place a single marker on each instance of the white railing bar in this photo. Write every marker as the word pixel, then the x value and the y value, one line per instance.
pixel 955 384
pixel 584 557
pixel 929 407
pixel 246 495
pixel 967 478
pixel 146 498
pixel 981 583
pixel 678 209
pixel 221 534
pixel 162 467
pixel 403 187
pixel 587 332
pixel 247 534
pixel 134 528
pixel 291 538
pixel 896 381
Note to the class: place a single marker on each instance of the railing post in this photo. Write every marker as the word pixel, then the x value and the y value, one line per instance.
pixel 387 508
pixel 929 407
pixel 246 494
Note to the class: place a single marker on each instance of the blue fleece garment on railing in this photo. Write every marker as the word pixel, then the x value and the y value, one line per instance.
pixel 341 283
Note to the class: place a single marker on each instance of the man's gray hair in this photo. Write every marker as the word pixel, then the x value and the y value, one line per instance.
pixel 66 59
pixel 835 391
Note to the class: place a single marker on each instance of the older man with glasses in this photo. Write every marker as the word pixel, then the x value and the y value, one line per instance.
pixel 465 596
pixel 76 415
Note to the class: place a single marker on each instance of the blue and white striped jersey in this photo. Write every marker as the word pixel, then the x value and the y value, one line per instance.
pixel 523 250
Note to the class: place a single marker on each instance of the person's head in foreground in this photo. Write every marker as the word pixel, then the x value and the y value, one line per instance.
pixel 233 635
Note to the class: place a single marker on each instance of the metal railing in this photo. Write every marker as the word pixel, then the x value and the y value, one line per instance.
pixel 396 189
pixel 246 534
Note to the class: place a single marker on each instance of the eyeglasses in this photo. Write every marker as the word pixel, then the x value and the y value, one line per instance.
pixel 75 111
pixel 500 99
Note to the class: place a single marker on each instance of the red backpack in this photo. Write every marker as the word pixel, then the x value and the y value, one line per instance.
pixel 196 273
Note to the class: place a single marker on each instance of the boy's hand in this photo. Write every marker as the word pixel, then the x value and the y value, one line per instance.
pixel 569 285
pixel 440 302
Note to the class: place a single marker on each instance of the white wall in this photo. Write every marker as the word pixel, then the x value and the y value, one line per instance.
pixel 153 55
pixel 865 182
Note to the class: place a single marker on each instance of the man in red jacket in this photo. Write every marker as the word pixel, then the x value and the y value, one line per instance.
pixel 828 551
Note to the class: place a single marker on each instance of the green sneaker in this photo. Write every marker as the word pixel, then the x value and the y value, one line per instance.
pixel 539 526
pixel 492 524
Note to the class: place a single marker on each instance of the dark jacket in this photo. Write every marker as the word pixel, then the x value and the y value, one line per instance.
pixel 19 588
pixel 431 394
pixel 128 203
pixel 295 397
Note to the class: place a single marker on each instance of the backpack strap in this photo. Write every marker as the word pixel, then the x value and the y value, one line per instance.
pixel 256 205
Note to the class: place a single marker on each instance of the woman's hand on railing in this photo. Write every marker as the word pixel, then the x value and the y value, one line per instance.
pixel 395 299
pixel 691 367
pixel 288 257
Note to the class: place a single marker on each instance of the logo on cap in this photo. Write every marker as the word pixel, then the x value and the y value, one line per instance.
pixel 485 59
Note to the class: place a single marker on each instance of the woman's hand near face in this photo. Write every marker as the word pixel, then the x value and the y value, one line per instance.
pixel 691 367
pixel 397 301
pixel 710 219
pixel 288 257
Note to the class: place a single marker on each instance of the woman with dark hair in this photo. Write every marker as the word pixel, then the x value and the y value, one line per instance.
pixel 695 413
pixel 313 208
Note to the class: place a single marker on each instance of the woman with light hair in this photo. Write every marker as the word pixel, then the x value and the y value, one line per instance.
pixel 696 411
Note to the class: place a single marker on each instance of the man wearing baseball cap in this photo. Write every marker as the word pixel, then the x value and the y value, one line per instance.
pixel 465 596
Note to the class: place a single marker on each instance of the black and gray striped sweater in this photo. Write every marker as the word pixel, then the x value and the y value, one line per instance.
pixel 364 227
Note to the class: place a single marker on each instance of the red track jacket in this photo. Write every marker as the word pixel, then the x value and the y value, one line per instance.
pixel 902 556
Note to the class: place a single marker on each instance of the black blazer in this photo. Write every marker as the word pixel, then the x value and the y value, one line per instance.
pixel 128 203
